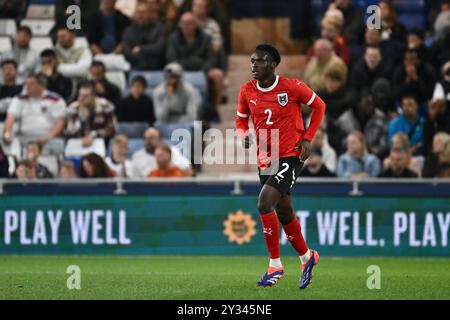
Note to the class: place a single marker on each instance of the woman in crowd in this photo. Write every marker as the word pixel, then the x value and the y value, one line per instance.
pixel 93 166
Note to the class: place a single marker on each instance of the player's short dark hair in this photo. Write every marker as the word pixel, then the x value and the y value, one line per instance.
pixel 141 80
pixel 25 29
pixel 9 61
pixel 86 85
pixel 35 143
pixel 48 53
pixel 271 50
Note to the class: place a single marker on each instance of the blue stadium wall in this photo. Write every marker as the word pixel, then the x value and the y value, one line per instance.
pixel 381 219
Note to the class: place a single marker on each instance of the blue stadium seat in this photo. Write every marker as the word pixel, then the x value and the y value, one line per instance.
pixel 403 6
pixel 198 80
pixel 413 20
pixel 132 129
pixel 76 162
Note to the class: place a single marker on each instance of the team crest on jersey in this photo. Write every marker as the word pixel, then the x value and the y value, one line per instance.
pixel 283 99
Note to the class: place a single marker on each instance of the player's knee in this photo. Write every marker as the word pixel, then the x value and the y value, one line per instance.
pixel 265 206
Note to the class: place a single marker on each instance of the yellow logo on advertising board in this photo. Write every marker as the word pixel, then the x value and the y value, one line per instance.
pixel 239 227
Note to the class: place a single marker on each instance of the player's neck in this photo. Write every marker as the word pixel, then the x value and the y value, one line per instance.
pixel 266 83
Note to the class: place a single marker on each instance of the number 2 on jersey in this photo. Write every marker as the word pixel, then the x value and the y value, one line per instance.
pixel 269 116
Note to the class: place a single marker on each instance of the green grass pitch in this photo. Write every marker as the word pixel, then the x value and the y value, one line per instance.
pixel 212 277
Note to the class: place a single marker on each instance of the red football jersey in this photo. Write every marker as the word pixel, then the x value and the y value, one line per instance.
pixel 276 116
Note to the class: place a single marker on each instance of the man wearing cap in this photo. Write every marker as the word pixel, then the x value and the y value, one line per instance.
pixel 175 100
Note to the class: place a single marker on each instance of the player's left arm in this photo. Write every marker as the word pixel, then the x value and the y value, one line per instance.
pixel 308 97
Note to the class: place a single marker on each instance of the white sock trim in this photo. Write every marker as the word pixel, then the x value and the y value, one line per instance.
pixel 276 263
pixel 304 258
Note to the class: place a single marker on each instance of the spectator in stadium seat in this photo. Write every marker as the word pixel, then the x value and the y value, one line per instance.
pixel 87 7
pixel 438 117
pixel 106 28
pixel 165 167
pixel 56 82
pixel 40 114
pixel 414 76
pixel 212 28
pixel 103 87
pixel 118 163
pixel 138 106
pixel 9 88
pixel 366 118
pixel 401 141
pixel 74 61
pixel 90 117
pixel 441 143
pixel 25 171
pixel 144 160
pixel 324 59
pixel 33 151
pixel 67 170
pixel 331 30
pixel 357 162
pixel 398 165
pixel 207 24
pixel 337 98
pixel 368 69
pixel 12 9
pixel 4 164
pixel 328 155
pixel 416 40
pixel 442 21
pixel 175 100
pixel 143 40
pixel 353 27
pixel 409 122
pixel 93 166
pixel 383 97
pixel 314 166
pixel 192 48
pixel 392 28
pixel 22 53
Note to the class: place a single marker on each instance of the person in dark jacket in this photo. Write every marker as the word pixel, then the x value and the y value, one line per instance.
pixel 103 87
pixel 4 164
pixel 192 49
pixel 315 167
pixel 368 69
pixel 398 165
pixel 414 76
pixel 106 28
pixel 143 41
pixel 56 82
pixel 137 107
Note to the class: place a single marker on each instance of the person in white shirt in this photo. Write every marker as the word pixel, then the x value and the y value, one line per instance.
pixel 118 163
pixel 74 61
pixel 26 57
pixel 40 114
pixel 144 160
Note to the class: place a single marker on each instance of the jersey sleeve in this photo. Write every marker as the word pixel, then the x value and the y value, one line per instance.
pixel 307 96
pixel 243 114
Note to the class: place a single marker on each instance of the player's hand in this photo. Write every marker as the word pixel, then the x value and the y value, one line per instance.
pixel 246 142
pixel 305 147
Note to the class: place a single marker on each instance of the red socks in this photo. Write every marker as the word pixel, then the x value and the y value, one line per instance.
pixel 271 230
pixel 295 236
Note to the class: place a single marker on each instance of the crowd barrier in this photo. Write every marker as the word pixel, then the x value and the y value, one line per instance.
pixel 218 216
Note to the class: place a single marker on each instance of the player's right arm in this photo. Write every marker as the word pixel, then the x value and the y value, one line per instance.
pixel 242 117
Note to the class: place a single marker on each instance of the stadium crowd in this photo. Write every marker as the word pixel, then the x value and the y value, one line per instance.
pixel 387 91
